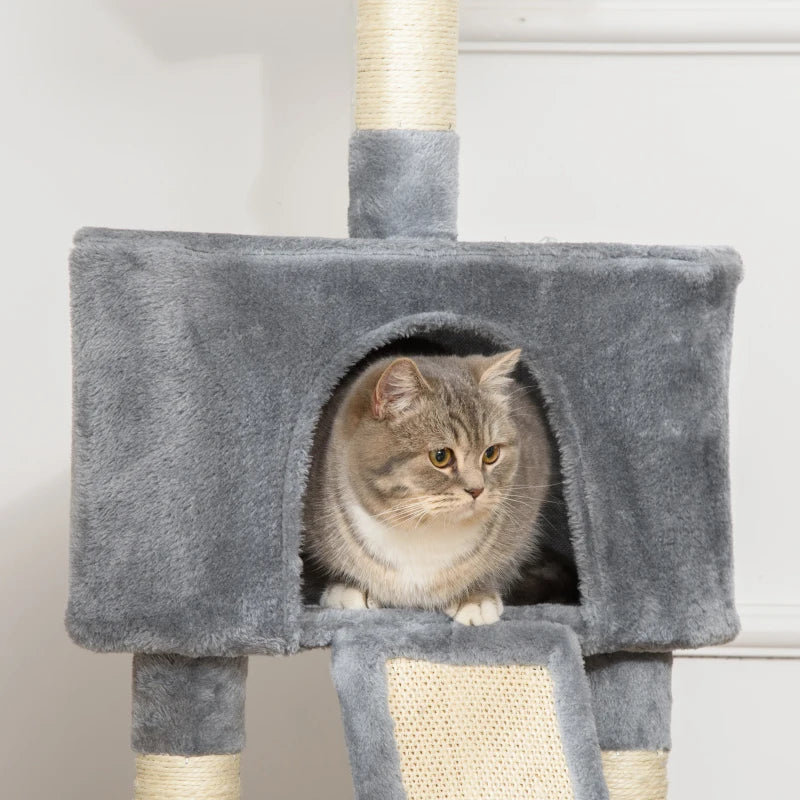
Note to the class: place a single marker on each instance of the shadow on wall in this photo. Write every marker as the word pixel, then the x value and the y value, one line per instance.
pixel 65 711
pixel 306 92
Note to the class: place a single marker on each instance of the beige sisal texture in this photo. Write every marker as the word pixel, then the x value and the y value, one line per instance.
pixel 476 732
pixel 636 774
pixel 406 56
pixel 161 777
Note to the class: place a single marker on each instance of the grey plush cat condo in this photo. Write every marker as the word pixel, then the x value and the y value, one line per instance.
pixel 201 365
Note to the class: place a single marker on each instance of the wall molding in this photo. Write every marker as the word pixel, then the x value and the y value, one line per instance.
pixel 631 26
pixel 768 631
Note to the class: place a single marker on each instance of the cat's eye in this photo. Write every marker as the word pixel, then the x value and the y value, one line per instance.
pixel 491 454
pixel 443 457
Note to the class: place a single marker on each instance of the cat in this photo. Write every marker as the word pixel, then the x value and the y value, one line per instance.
pixel 428 486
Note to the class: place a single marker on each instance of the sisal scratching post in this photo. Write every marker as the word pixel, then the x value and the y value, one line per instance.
pixel 406 60
pixel 404 150
pixel 632 695
pixel 636 774
pixel 187 726
pixel 160 777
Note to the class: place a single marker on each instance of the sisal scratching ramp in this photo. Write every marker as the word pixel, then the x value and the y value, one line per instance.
pixel 469 731
pixel 202 365
pixel 465 714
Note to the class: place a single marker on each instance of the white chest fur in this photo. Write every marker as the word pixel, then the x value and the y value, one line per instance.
pixel 418 554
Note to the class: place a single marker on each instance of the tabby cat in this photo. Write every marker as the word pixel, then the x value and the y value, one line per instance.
pixel 428 487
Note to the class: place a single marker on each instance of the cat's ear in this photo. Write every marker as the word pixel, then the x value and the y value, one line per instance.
pixel 496 370
pixel 398 388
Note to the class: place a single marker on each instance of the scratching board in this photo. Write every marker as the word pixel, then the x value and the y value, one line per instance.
pixel 443 713
pixel 201 366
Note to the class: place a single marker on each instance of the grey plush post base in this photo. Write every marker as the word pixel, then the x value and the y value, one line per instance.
pixel 403 183
pixel 359 672
pixel 632 700
pixel 188 706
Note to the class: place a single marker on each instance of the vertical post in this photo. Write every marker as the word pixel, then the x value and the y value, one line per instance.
pixel 404 151
pixel 188 726
pixel 632 699
pixel 406 55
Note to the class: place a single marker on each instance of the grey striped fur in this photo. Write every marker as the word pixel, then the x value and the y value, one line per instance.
pixel 377 457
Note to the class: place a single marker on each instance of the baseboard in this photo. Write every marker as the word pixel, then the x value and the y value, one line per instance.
pixel 631 26
pixel 768 631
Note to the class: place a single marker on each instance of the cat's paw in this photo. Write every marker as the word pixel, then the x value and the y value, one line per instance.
pixel 477 609
pixel 340 595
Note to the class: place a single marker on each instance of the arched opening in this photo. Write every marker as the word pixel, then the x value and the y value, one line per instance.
pixel 549 577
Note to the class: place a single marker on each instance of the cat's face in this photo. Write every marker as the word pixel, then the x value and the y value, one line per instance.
pixel 438 444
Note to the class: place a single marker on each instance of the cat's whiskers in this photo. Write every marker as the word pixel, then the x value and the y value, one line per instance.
pixel 419 521
pixel 538 502
pixel 534 485
pixel 530 496
pixel 512 501
pixel 407 504
pixel 406 516
pixel 406 513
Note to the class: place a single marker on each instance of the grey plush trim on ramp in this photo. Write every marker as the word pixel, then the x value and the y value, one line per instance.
pixel 359 672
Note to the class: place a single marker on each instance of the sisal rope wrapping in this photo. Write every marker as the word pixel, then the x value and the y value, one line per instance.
pixel 636 774
pixel 469 732
pixel 160 777
pixel 406 56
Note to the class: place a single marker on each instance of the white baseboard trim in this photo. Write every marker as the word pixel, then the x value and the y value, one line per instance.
pixel 768 631
pixel 631 26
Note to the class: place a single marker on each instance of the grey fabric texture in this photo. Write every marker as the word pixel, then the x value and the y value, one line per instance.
pixel 201 363
pixel 403 183
pixel 359 672
pixel 318 623
pixel 632 700
pixel 188 706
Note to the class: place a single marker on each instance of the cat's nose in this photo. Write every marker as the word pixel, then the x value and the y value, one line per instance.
pixel 476 492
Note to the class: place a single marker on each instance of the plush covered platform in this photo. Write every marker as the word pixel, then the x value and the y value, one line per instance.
pixel 201 363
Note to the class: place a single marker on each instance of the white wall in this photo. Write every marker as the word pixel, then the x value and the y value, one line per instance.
pixel 213 115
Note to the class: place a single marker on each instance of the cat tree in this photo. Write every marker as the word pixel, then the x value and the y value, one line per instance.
pixel 201 365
